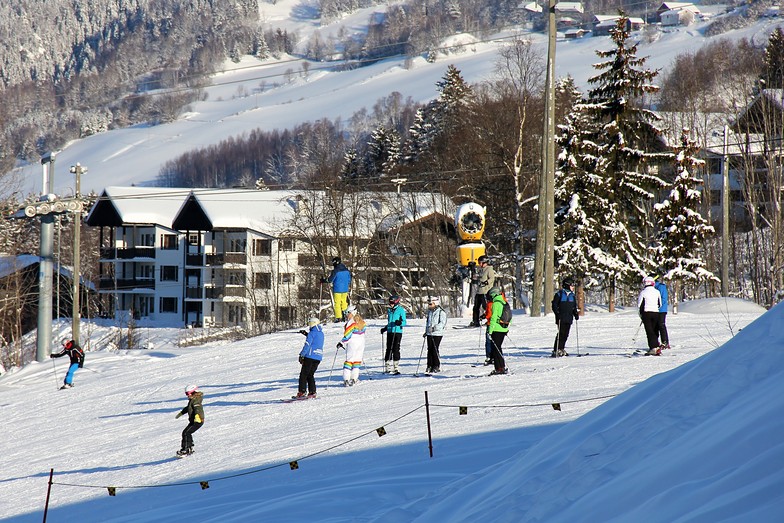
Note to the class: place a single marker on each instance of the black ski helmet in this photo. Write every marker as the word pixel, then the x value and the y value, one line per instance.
pixel 568 282
pixel 394 300
pixel 336 260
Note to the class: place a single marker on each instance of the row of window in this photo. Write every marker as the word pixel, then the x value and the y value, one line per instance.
pixel 261 280
pixel 261 247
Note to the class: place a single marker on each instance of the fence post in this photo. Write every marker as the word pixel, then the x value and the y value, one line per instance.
pixel 429 432
pixel 48 491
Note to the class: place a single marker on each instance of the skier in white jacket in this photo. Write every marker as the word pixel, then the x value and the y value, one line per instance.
pixel 648 304
pixel 353 342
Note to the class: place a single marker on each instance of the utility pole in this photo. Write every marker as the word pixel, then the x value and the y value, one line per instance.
pixel 545 233
pixel 76 316
pixel 45 265
pixel 725 217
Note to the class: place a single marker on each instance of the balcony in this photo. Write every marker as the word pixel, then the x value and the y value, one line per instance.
pixel 193 293
pixel 194 260
pixel 135 252
pixel 126 284
pixel 236 258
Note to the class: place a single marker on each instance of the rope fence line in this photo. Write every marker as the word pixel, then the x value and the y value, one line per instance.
pixel 294 464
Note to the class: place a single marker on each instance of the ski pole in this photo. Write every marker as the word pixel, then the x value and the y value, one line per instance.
pixel 56 381
pixel 577 334
pixel 329 380
pixel 424 340
pixel 637 333
pixel 383 355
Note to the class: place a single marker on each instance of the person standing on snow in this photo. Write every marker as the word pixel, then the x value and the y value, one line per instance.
pixel 662 324
pixel 435 325
pixel 76 355
pixel 396 320
pixel 497 330
pixel 310 357
pixel 649 303
pixel 565 308
pixel 484 280
pixel 195 413
pixel 353 342
pixel 340 278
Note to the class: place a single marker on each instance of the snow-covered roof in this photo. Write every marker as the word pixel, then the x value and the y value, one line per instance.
pixel 678 6
pixel 533 7
pixel 267 212
pixel 569 7
pixel 136 205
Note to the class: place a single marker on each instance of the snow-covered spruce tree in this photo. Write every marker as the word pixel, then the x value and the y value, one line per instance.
pixel 438 116
pixel 626 135
pixel 681 228
pixel 383 152
pixel 773 61
pixel 586 219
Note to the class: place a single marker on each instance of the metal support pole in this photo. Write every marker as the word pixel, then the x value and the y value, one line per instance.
pixel 76 316
pixel 45 268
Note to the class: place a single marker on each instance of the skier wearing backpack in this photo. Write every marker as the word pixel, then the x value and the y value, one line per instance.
pixel 396 320
pixel 498 327
pixel 310 357
pixel 564 307
pixel 76 354
pixel 434 332
pixel 195 412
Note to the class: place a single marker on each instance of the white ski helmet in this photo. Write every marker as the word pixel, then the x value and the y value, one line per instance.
pixel 190 389
pixel 351 310
pixel 313 321
pixel 648 281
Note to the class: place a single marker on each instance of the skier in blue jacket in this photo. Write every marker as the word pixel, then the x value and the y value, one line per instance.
pixel 340 278
pixel 662 323
pixel 310 356
pixel 396 320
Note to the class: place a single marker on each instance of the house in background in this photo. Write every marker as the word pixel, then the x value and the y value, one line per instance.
pixel 248 258
pixel 602 24
pixel 677 13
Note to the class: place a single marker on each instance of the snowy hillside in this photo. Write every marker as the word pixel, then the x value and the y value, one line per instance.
pixel 693 435
pixel 279 94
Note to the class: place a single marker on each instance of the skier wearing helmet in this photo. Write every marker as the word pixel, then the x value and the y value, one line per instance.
pixel 396 320
pixel 195 413
pixel 649 302
pixel 497 329
pixel 564 307
pixel 340 278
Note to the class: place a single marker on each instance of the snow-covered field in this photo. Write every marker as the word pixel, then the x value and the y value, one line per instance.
pixel 693 435
pixel 278 94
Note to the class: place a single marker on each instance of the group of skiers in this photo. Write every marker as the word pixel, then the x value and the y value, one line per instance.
pixel 652 304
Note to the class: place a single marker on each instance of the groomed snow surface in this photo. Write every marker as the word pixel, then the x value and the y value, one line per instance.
pixel 692 435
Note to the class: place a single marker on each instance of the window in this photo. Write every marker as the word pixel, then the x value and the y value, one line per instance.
pixel 262 280
pixel 287 314
pixel 168 305
pixel 169 241
pixel 235 278
pixel 262 313
pixel 288 244
pixel 146 240
pixel 236 245
pixel 236 314
pixel 169 272
pixel 262 247
pixel 285 277
pixel 146 271
pixel 193 238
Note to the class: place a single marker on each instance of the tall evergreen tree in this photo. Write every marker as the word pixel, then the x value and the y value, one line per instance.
pixel 626 134
pixel 440 115
pixel 383 151
pixel 681 228
pixel 773 72
pixel 587 219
